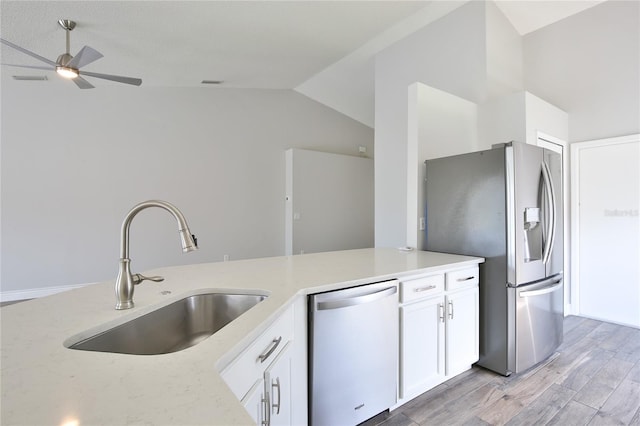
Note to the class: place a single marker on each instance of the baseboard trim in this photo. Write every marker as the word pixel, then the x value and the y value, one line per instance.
pixel 34 293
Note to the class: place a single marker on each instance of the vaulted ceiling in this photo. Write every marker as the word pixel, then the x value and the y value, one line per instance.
pixel 246 44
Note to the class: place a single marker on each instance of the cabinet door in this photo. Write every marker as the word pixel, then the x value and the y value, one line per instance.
pixel 277 380
pixel 254 402
pixel 462 348
pixel 422 346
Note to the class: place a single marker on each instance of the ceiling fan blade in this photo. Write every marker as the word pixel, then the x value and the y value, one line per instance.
pixel 85 56
pixel 28 52
pixel 117 78
pixel 82 83
pixel 37 67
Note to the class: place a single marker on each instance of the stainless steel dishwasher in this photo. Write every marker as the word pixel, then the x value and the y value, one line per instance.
pixel 353 353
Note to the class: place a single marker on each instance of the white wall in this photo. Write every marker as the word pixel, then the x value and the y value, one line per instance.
pixel 541 116
pixel 589 65
pixel 347 85
pixel 421 57
pixel 502 120
pixel 74 162
pixel 519 117
pixel 503 50
pixel 440 124
pixel 451 55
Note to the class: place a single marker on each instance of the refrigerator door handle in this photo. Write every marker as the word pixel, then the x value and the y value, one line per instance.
pixel 358 300
pixel 551 213
pixel 541 291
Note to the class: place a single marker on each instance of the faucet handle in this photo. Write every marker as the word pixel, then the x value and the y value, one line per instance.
pixel 138 278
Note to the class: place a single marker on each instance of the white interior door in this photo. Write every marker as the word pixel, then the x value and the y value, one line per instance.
pixel 607 233
pixel 329 202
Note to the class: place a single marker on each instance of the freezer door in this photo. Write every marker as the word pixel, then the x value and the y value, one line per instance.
pixel 531 213
pixel 537 331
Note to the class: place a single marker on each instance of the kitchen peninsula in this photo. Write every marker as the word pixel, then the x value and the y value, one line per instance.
pixel 44 382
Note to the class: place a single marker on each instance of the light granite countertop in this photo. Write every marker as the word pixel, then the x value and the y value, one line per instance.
pixel 44 383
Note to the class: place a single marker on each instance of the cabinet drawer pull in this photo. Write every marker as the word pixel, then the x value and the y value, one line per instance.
pixel 450 310
pixel 275 342
pixel 466 279
pixel 441 311
pixel 426 288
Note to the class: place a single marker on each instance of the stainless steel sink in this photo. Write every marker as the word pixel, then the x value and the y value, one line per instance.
pixel 174 327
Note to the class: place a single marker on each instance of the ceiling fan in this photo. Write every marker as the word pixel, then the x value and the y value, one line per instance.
pixel 68 66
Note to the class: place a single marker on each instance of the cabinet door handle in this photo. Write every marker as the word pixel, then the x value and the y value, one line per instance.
pixel 441 311
pixel 274 344
pixel 466 279
pixel 450 309
pixel 276 385
pixel 426 288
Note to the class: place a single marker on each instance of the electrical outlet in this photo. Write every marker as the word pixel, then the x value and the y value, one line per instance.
pixel 422 224
pixel 225 258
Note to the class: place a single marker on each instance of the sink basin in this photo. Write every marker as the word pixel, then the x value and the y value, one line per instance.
pixel 174 327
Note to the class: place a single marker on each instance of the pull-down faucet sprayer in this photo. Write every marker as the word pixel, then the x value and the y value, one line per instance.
pixel 126 281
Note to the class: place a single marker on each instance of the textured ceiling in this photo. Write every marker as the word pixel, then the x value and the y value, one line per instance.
pixel 257 44
pixel 247 44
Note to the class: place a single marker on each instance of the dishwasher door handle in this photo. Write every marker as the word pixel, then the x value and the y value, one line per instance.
pixel 357 300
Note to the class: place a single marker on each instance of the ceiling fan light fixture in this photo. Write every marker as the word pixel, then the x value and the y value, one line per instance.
pixel 68 66
pixel 67 72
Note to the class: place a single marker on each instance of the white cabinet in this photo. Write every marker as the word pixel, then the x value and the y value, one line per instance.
pixel 439 325
pixel 422 346
pixel 263 375
pixel 462 347
pixel 254 402
pixel 278 383
pixel 269 399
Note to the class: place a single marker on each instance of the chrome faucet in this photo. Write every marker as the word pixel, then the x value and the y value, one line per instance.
pixel 126 281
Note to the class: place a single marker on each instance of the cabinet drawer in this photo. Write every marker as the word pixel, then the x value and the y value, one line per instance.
pixel 463 278
pixel 246 368
pixel 418 288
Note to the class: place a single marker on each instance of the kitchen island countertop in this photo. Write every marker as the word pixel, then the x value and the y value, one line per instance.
pixel 43 382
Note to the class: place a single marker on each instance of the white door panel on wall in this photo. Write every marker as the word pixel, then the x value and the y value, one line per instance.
pixel 606 226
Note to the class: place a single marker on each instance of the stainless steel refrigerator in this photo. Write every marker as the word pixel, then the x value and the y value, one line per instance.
pixel 505 204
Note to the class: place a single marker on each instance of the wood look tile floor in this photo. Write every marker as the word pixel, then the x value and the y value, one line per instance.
pixel 593 379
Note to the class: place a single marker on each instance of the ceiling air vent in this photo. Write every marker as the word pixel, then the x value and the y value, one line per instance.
pixel 30 77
